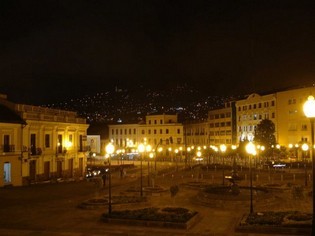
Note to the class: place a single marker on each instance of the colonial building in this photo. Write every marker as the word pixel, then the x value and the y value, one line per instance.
pixel 196 133
pixel 251 111
pixel 158 131
pixel 293 127
pixel 40 144
pixel 222 125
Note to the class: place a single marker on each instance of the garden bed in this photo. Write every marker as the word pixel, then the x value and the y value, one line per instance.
pixel 288 222
pixel 103 202
pixel 171 217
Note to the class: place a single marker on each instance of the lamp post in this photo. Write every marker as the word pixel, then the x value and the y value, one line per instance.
pixel 223 149
pixel 141 149
pixel 160 149
pixel 305 149
pixel 309 111
pixel 250 149
pixel 148 149
pixel 109 150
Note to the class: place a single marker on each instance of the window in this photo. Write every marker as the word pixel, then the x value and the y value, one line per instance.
pixel 259 105
pixel 211 117
pixel 161 121
pixel 47 141
pixel 217 116
pixel 228 115
pixel 155 122
pixel 222 115
pixel 228 123
pixel 80 143
pixel 59 142
pixel 254 106
pixel 178 131
pixel 149 122
pixel 149 131
pixel 217 124
pixel 6 143
pixel 166 131
pixel 272 103
pixel 273 115
pixel 33 144
pixel 154 131
pixel 211 125
pixel 304 127
pixel 161 131
pixel 222 124
pixel 142 131
pixel 249 107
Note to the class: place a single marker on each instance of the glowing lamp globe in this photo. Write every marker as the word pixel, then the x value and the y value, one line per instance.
pixel 309 107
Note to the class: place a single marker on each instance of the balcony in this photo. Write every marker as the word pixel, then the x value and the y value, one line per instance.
pixel 7 148
pixel 83 148
pixel 34 151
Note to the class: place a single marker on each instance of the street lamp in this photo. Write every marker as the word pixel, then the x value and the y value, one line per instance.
pixel 109 151
pixel 250 149
pixel 223 149
pixel 148 149
pixel 141 149
pixel 309 111
pixel 305 149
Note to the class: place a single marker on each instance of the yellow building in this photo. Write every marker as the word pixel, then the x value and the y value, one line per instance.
pixel 283 108
pixel 251 111
pixel 158 131
pixel 45 144
pixel 293 126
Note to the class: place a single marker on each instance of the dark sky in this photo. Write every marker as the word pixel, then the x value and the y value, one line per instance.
pixel 55 49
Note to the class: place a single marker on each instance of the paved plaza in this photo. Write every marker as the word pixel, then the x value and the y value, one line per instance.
pixel 52 209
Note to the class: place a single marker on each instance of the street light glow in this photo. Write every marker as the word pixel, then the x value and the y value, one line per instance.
pixel 309 107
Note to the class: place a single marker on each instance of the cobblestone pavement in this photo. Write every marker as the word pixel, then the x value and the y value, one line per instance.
pixel 52 209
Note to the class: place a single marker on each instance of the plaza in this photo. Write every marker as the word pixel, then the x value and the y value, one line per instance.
pixel 52 208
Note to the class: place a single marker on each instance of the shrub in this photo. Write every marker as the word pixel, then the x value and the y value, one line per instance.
pixel 266 218
pixel 179 215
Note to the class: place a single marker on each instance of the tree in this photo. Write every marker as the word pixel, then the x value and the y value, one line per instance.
pixel 264 133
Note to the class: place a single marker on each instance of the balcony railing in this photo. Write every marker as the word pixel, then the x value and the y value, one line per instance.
pixel 35 151
pixel 83 148
pixel 7 148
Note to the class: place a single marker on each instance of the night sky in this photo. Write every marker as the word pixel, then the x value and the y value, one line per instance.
pixel 51 50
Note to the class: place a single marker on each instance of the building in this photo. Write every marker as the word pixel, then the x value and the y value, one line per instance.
pixel 158 131
pixel 40 144
pixel 293 127
pixel 251 111
pixel 222 125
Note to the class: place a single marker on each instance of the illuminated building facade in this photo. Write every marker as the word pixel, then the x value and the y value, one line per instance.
pixel 158 131
pixel 44 144
pixel 251 111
